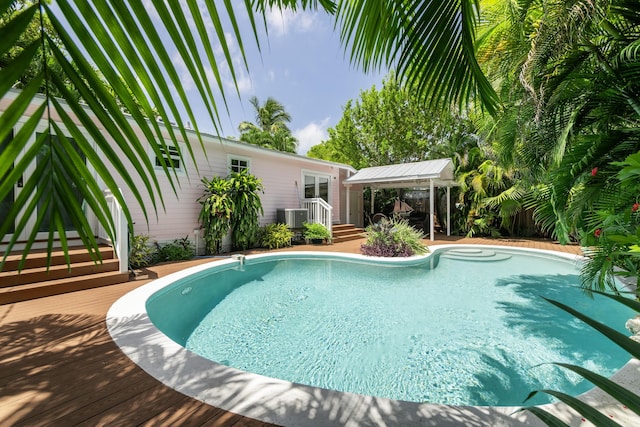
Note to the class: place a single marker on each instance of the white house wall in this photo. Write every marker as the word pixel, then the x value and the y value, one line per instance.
pixel 281 175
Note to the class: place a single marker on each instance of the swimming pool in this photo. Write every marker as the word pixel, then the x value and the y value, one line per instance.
pixel 268 291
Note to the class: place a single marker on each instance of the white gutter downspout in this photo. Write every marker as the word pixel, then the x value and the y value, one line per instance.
pixel 348 204
pixel 448 211
pixel 431 208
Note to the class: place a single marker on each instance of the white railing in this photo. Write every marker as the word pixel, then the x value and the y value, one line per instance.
pixel 318 210
pixel 121 244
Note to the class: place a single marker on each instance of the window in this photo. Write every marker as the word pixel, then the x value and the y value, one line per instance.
pixel 238 164
pixel 171 157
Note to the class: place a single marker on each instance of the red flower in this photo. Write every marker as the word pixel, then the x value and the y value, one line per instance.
pixel 594 171
pixel 598 232
pixel 635 207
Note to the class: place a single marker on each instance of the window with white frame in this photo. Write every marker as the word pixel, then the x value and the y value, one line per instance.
pixel 171 157
pixel 238 163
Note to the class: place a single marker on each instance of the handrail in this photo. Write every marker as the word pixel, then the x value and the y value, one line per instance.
pixel 318 210
pixel 121 244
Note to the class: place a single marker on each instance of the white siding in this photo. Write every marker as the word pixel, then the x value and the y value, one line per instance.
pixel 281 175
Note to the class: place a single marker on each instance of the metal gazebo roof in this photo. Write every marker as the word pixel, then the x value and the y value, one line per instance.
pixel 418 174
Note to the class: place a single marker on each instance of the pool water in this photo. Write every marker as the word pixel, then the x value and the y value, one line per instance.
pixel 464 328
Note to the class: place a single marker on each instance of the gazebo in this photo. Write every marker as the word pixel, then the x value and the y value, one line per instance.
pixel 428 174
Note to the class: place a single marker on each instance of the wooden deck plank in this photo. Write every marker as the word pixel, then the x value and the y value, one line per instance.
pixel 60 367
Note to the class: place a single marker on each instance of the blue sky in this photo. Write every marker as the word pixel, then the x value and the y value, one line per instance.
pixel 303 66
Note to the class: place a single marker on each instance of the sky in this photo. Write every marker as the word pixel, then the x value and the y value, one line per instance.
pixel 303 66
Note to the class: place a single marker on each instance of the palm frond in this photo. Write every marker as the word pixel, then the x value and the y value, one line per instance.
pixel 431 44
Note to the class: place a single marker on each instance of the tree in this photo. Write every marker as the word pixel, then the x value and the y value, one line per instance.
pixel 394 126
pixel 270 129
pixel 30 35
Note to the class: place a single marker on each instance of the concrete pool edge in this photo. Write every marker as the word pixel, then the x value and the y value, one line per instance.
pixel 289 404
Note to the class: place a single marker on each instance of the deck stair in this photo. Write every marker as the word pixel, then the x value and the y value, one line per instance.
pixel 346 232
pixel 36 280
pixel 475 254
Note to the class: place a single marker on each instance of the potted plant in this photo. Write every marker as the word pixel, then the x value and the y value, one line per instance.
pixel 316 232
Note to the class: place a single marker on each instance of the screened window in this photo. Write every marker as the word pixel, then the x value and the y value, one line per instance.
pixel 238 164
pixel 171 157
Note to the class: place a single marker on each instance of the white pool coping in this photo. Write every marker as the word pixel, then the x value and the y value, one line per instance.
pixel 290 404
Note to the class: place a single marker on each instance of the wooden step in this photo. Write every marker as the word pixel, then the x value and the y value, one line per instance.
pixel 26 292
pixel 38 257
pixel 55 272
pixel 43 276
pixel 346 232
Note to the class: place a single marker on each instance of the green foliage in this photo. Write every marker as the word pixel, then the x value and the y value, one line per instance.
pixel 276 236
pixel 178 250
pixel 393 238
pixel 215 214
pixel 394 126
pixel 270 129
pixel 247 208
pixel 141 252
pixel 612 235
pixel 482 222
pixel 315 231
pixel 231 203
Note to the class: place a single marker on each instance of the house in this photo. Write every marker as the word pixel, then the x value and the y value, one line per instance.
pixel 290 182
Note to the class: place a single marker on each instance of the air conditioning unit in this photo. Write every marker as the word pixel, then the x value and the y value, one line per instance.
pixel 293 218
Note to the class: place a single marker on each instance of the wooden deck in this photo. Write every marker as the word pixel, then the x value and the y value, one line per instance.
pixel 59 366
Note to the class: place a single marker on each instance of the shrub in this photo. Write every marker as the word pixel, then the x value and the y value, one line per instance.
pixel 231 203
pixel 393 238
pixel 247 208
pixel 217 207
pixel 315 230
pixel 178 250
pixel 141 253
pixel 275 236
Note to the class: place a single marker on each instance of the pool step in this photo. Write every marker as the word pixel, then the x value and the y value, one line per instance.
pixel 473 254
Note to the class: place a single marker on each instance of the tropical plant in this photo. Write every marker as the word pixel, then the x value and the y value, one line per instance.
pixel 612 236
pixel 247 208
pixel 178 250
pixel 276 236
pixel 315 231
pixel 393 238
pixel 491 198
pixel 572 106
pixel 270 129
pixel 141 252
pixel 130 44
pixel 216 211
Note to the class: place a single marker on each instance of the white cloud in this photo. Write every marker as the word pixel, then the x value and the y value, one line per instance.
pixel 280 23
pixel 310 135
pixel 185 78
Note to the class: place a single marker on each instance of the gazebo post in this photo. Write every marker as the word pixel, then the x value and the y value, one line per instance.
pixel 431 209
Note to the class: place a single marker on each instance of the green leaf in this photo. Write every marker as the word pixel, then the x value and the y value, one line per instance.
pixel 621 394
pixel 621 340
pixel 581 407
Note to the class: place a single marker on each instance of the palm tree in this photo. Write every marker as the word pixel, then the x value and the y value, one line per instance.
pixel 270 129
